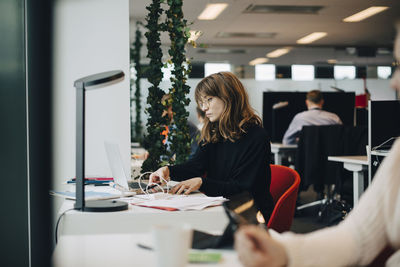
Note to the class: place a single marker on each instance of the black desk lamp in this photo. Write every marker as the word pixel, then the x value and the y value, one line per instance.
pixel 98 80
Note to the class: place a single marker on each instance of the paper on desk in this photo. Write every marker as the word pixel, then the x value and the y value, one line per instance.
pixel 178 202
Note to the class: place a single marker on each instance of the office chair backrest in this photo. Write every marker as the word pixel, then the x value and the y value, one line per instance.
pixel 316 143
pixel 284 187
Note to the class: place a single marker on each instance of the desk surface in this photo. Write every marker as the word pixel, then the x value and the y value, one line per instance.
pixel 362 160
pixel 136 220
pixel 280 146
pixel 116 250
pixel 380 153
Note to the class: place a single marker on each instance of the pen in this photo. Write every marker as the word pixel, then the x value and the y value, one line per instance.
pixel 101 184
pixel 144 246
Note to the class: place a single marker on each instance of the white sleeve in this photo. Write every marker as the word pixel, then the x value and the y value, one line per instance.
pixel 374 223
pixel 295 126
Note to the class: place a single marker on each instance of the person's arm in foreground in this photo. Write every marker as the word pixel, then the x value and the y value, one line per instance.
pixel 373 224
pixel 256 248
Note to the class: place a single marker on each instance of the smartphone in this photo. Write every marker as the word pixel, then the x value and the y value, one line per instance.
pixel 241 209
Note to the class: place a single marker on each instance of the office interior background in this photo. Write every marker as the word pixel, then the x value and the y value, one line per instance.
pixel 47 45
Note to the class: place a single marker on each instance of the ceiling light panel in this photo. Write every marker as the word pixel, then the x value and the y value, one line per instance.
pixel 365 13
pixel 212 11
pixel 311 37
pixel 259 60
pixel 278 52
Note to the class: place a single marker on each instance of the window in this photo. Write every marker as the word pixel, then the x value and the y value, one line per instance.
pixel 344 72
pixel 133 72
pixel 384 72
pixel 265 72
pixel 210 68
pixel 167 71
pixel 303 72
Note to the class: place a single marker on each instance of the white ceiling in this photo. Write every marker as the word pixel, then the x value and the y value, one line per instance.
pixel 376 31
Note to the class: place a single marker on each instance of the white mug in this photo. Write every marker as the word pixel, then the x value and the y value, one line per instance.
pixel 171 244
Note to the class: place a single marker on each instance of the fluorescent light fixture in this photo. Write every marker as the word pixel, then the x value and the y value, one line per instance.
pixel 332 61
pixel 365 13
pixel 212 11
pixel 278 52
pixel 311 37
pixel 194 35
pixel 259 60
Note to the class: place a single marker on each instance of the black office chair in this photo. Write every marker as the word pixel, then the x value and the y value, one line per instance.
pixel 315 144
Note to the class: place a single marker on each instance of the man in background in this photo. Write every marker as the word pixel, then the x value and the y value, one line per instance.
pixel 314 115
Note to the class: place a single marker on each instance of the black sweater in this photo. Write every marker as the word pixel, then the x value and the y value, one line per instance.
pixel 233 167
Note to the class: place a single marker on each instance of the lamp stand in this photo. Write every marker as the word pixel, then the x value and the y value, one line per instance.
pixel 80 204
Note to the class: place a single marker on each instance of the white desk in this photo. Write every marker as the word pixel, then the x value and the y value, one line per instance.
pixel 136 220
pixel 382 153
pixel 279 150
pixel 375 161
pixel 356 164
pixel 116 250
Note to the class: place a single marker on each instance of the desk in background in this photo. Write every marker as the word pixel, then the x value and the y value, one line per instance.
pixel 377 156
pixel 117 250
pixel 280 150
pixel 356 164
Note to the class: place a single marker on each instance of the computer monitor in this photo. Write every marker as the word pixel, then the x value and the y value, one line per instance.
pixel 361 116
pixel 384 124
pixel 279 108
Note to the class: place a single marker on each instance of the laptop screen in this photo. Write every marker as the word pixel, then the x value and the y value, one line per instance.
pixel 116 165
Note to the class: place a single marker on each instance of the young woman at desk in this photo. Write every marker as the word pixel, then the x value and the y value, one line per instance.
pixel 372 225
pixel 234 152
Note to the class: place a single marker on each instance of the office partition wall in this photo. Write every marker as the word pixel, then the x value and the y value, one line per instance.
pixel 383 130
pixel 279 108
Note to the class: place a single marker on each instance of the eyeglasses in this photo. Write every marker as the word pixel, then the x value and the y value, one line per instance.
pixel 206 103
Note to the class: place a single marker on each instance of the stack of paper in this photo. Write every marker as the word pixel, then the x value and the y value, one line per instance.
pixel 176 202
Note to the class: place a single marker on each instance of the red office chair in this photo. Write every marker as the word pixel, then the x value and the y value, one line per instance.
pixel 284 187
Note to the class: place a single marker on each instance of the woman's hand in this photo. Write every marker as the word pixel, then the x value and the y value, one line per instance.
pixel 256 248
pixel 156 176
pixel 190 185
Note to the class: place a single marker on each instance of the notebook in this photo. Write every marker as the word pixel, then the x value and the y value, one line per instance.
pixel 117 168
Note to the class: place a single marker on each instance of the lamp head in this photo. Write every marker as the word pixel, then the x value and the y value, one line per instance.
pixel 99 78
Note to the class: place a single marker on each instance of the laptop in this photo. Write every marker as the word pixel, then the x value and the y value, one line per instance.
pixel 117 168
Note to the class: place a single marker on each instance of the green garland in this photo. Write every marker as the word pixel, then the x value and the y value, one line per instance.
pixel 179 136
pixel 136 128
pixel 155 123
pixel 179 35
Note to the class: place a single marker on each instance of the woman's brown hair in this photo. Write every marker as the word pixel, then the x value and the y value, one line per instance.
pixel 237 114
